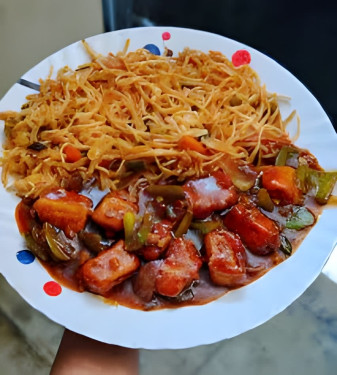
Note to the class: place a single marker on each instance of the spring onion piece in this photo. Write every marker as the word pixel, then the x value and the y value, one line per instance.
pixel 145 228
pixel 136 235
pixel 168 192
pixel 302 176
pixel 129 224
pixel 300 218
pixel 264 201
pixel 184 224
pixel 206 226
pixel 286 247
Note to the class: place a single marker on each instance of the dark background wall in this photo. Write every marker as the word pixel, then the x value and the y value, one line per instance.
pixel 300 35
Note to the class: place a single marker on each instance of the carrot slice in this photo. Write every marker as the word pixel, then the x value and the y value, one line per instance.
pixel 72 154
pixel 187 142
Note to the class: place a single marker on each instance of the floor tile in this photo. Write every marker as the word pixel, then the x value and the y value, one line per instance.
pixel 38 331
pixel 16 355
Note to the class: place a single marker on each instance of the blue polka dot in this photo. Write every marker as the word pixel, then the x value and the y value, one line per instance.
pixel 25 256
pixel 153 49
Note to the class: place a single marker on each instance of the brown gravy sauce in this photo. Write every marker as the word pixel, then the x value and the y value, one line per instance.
pixel 204 291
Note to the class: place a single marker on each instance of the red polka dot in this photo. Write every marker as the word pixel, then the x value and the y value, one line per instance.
pixel 52 288
pixel 241 57
pixel 166 35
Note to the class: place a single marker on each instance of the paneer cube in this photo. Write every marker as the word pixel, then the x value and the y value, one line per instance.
pixel 209 194
pixel 179 268
pixel 260 234
pixel 226 258
pixel 65 210
pixel 109 268
pixel 110 212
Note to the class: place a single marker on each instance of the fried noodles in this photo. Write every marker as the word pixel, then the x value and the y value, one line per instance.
pixel 137 106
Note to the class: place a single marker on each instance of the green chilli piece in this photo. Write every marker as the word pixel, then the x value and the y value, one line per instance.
pixel 205 227
pixel 129 223
pixel 145 228
pixel 184 224
pixel 168 192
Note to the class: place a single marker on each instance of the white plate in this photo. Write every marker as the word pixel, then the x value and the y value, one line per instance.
pixel 236 312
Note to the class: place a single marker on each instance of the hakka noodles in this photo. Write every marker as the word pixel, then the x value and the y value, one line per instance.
pixel 201 188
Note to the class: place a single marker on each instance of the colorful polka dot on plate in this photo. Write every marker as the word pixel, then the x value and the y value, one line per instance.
pixel 166 35
pixel 241 57
pixel 152 48
pixel 25 256
pixel 52 288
